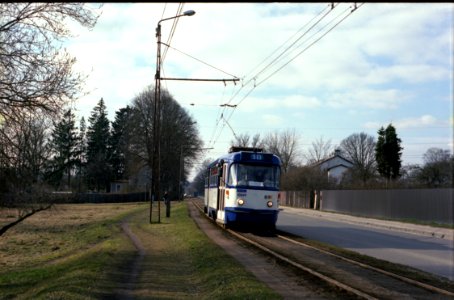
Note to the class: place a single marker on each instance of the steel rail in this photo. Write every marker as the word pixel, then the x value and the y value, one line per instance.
pixel 295 264
pixel 330 280
pixel 363 265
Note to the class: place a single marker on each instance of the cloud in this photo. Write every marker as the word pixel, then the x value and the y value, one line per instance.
pixel 368 98
pixel 372 125
pixel 407 73
pixel 272 119
pixel 300 101
pixel 418 122
pixel 423 121
pixel 404 33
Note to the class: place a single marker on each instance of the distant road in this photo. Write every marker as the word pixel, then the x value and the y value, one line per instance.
pixel 433 255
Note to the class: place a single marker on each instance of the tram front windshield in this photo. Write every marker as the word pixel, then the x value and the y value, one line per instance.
pixel 254 176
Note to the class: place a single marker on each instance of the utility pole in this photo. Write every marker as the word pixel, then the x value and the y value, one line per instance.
pixel 156 159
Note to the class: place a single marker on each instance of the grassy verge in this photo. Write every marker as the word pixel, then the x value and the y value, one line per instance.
pixel 182 263
pixel 80 252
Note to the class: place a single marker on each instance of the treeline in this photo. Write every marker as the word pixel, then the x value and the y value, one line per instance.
pixel 375 162
pixel 37 81
pixel 56 155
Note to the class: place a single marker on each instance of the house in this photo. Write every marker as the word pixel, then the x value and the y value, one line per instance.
pixel 119 186
pixel 335 165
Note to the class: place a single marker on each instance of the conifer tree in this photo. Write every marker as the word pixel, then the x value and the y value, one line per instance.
pixel 64 147
pixel 98 135
pixel 119 143
pixel 81 152
pixel 388 153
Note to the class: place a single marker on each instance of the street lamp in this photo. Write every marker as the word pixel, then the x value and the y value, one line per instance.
pixel 157 119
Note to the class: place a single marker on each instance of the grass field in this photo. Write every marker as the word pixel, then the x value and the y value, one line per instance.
pixel 81 252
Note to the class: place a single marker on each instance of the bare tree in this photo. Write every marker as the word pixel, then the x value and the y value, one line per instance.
pixel 245 140
pixel 141 128
pixel 305 178
pixel 283 144
pixel 24 152
pixel 36 80
pixel 434 155
pixel 256 141
pixel 359 148
pixel 438 169
pixel 319 151
pixel 241 140
pixel 198 183
pixel 180 143
pixel 35 70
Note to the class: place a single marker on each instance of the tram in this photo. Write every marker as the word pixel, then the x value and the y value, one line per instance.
pixel 242 188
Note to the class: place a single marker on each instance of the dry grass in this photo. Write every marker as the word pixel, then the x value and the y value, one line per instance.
pixel 56 233
pixel 81 252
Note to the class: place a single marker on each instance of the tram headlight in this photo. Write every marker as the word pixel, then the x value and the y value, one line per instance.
pixel 269 203
pixel 240 202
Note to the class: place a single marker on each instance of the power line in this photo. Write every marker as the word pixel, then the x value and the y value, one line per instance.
pixel 280 56
pixel 253 78
pixel 172 30
pixel 168 46
pixel 164 10
pixel 311 44
pixel 290 38
pixel 301 52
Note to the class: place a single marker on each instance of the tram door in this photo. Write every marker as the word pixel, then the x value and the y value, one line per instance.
pixel 221 195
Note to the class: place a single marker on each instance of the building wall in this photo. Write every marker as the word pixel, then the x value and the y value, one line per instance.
pixel 335 161
pixel 335 166
pixel 337 172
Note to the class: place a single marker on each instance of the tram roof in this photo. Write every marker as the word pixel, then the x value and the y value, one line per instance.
pixel 249 157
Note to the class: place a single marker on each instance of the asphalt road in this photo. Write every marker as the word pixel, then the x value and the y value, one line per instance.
pixel 415 246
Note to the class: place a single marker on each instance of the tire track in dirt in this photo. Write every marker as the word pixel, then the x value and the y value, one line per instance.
pixel 133 272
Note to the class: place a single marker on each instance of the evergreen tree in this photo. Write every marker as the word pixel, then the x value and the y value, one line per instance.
pixel 64 147
pixel 119 143
pixel 98 135
pixel 380 153
pixel 388 153
pixel 82 152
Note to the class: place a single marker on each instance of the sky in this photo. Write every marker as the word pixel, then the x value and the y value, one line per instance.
pixel 309 68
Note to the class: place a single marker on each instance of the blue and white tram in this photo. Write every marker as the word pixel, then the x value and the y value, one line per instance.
pixel 242 188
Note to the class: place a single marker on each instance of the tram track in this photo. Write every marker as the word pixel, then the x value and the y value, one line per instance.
pixel 356 278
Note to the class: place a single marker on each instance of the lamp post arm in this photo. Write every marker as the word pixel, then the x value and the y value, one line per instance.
pixel 186 13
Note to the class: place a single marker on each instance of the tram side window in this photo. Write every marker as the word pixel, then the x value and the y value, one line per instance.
pixel 214 177
pixel 232 179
